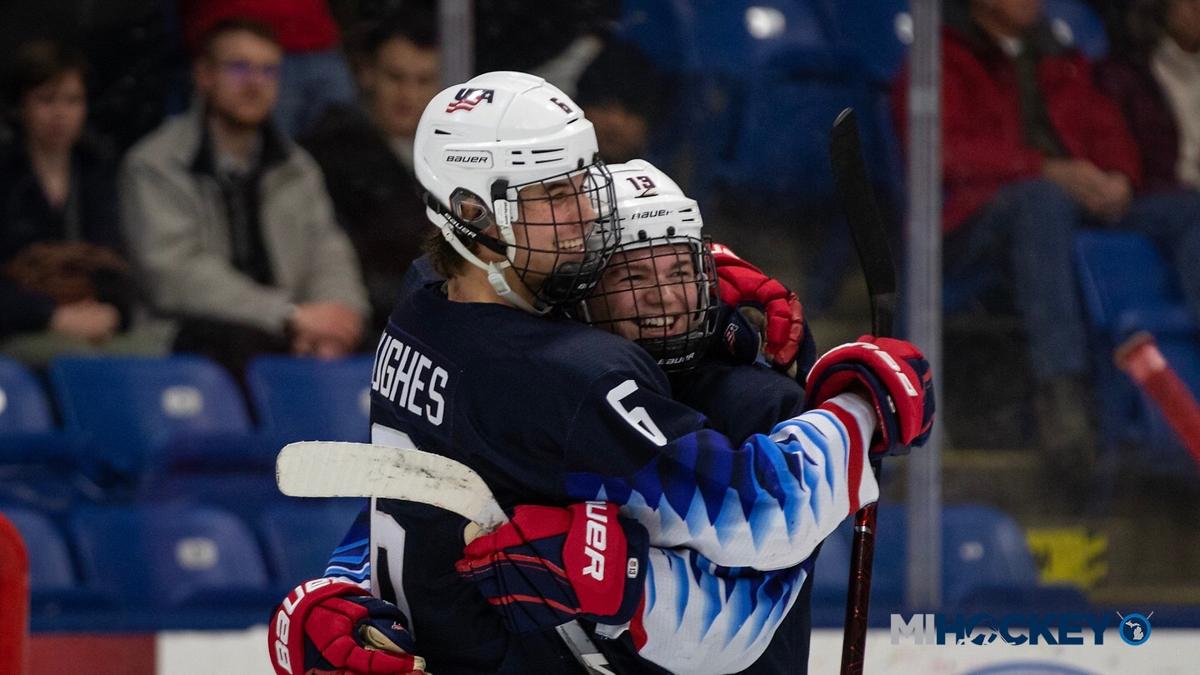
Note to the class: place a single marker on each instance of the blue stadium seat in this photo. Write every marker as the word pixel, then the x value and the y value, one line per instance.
pixel 152 416
pixel 664 30
pixel 300 536
pixel 982 547
pixel 880 32
pixel 1078 24
pixel 802 92
pixel 986 566
pixel 312 399
pixel 37 460
pixel 23 405
pixel 1127 286
pixel 163 556
pixel 54 587
pixel 27 429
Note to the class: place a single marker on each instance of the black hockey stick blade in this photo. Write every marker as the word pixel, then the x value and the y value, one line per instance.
pixel 866 226
pixel 875 256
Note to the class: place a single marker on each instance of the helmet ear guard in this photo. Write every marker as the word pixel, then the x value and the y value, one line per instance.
pixel 467 231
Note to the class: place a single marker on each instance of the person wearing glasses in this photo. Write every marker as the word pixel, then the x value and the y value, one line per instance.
pixel 229 222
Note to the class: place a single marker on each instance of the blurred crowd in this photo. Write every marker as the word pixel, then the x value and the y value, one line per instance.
pixel 234 177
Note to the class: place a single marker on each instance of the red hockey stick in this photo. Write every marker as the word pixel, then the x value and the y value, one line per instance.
pixel 1140 358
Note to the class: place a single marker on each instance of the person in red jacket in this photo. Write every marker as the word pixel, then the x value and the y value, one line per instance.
pixel 1031 151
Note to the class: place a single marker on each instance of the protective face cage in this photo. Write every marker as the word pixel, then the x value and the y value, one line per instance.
pixel 662 293
pixel 556 233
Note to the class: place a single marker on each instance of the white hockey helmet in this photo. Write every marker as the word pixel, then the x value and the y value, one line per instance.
pixel 503 146
pixel 660 287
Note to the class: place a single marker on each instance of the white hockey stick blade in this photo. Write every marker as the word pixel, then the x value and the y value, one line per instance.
pixel 338 469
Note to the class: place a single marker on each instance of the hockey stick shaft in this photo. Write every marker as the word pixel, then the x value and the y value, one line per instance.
pixel 1140 358
pixel 340 469
pixel 874 255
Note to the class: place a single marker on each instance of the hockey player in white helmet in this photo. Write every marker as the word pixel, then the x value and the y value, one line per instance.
pixel 513 181
pixel 580 423
pixel 660 287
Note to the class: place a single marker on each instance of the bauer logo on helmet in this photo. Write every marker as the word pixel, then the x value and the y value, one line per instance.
pixel 470 159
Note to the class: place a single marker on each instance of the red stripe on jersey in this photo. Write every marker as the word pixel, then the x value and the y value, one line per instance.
pixel 854 467
pixel 535 599
pixel 473 567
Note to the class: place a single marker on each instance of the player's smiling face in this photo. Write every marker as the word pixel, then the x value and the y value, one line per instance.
pixel 555 219
pixel 648 292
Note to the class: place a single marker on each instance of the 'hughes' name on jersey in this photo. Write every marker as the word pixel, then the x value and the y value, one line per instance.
pixel 410 380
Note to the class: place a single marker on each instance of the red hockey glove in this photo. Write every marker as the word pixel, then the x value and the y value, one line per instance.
pixel 550 565
pixel 766 302
pixel 329 625
pixel 896 379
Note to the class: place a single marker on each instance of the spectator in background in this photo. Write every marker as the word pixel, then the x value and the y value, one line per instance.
pixel 366 154
pixel 65 285
pixel 314 73
pixel 1155 80
pixel 620 93
pixel 229 221
pixel 1030 151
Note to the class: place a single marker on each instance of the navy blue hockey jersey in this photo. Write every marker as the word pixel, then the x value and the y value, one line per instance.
pixel 549 411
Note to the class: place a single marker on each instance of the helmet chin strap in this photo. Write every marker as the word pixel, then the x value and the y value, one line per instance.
pixel 495 274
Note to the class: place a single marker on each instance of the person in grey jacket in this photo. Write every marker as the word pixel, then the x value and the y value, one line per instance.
pixel 229 222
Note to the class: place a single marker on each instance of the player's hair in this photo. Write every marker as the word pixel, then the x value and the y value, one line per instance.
pixel 235 24
pixel 445 260
pixel 36 63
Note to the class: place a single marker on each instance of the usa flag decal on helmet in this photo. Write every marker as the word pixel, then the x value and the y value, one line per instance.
pixel 467 98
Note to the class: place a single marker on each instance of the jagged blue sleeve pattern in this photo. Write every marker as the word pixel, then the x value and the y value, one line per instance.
pixel 699 617
pixel 351 560
pixel 765 504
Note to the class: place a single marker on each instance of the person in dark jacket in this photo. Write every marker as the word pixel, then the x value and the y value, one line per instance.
pixel 1155 81
pixel 366 154
pixel 64 280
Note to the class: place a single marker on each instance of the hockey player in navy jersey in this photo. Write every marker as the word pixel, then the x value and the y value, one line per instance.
pixel 660 290
pixel 554 413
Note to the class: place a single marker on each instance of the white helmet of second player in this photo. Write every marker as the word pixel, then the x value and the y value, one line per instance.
pixel 501 148
pixel 660 287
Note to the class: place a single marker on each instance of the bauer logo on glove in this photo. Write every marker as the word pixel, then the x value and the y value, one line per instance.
pixel 550 565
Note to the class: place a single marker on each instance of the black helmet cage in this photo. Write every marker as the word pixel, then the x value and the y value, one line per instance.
pixel 675 350
pixel 567 276
pixel 587 189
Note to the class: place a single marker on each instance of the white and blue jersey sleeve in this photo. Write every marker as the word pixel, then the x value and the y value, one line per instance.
pixel 699 617
pixel 764 504
pixel 351 560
